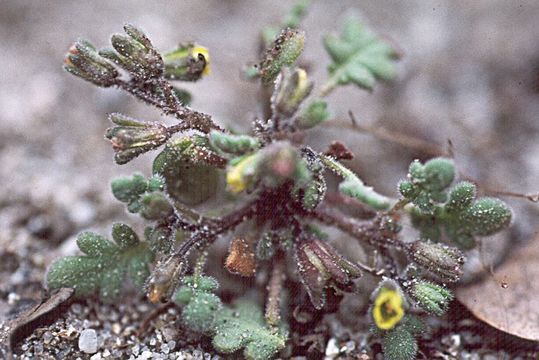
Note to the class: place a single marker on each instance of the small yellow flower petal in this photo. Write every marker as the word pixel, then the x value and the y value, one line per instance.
pixel 237 176
pixel 388 308
pixel 204 52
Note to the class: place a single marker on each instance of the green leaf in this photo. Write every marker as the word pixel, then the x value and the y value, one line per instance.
pixel 359 57
pixel 130 190
pixel 353 186
pixel 242 326
pixel 463 217
pixel 315 113
pixel 188 177
pixel 427 183
pixel 233 144
pixel 105 265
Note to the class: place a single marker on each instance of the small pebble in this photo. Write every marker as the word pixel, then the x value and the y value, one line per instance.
pixel 88 341
pixel 47 337
pixel 145 355
pixel 13 298
pixel 332 349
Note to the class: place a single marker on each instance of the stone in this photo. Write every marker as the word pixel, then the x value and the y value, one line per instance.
pixel 88 341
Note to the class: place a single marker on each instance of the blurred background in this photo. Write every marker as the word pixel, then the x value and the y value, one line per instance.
pixel 469 74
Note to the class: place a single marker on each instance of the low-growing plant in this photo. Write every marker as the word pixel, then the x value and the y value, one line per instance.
pixel 276 190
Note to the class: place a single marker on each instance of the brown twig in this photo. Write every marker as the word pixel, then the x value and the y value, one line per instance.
pixel 392 136
pixel 145 325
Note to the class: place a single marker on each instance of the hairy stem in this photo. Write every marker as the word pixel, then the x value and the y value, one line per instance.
pixel 275 287
pixel 372 232
pixel 171 106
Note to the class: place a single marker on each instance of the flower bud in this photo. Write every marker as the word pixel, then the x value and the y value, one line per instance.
pixel 443 261
pixel 188 62
pixel 318 263
pixel 291 88
pixel 135 53
pixel 132 138
pixel 83 60
pixel 399 344
pixel 280 162
pixel 284 52
pixel 431 297
pixel 164 278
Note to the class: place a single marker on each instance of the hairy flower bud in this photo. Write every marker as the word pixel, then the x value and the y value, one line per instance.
pixel 291 88
pixel 318 263
pixel 284 52
pixel 135 53
pixel 83 60
pixel 399 344
pixel 164 278
pixel 443 261
pixel 131 137
pixel 188 62
pixel 431 297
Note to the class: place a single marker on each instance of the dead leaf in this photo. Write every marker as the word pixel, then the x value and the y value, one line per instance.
pixel 45 312
pixel 507 299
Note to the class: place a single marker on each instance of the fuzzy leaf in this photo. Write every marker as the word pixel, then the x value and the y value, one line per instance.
pixel 233 144
pixel 105 265
pixel 463 217
pixel 243 326
pixel 359 56
pixel 353 186
pixel 427 183
pixel 315 113
pixel 189 178
pixel 130 190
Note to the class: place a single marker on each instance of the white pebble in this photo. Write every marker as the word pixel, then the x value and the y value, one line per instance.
pixel 88 341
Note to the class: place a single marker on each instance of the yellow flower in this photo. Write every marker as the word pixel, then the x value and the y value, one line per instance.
pixel 388 308
pixel 200 50
pixel 238 176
